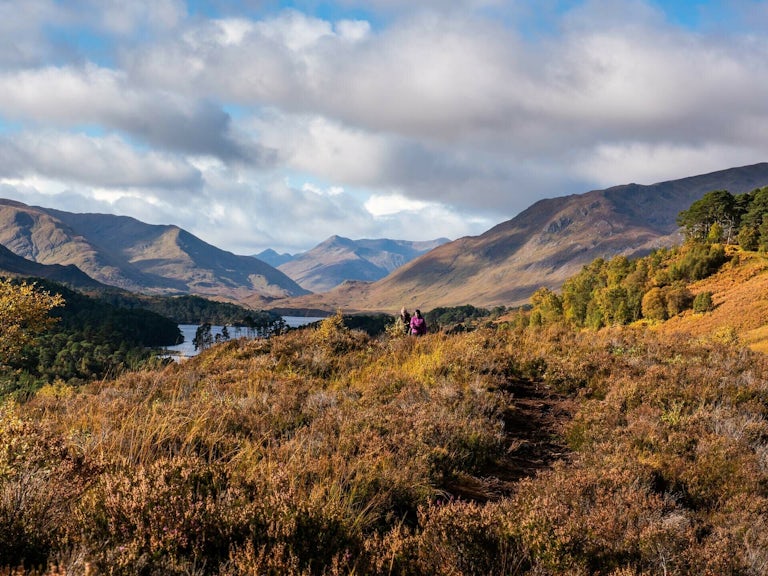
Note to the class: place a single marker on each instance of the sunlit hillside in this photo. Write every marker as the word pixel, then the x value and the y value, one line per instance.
pixel 506 450
pixel 740 295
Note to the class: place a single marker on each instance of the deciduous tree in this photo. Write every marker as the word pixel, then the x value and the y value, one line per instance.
pixel 23 315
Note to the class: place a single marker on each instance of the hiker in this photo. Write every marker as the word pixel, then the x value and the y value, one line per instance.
pixel 418 324
pixel 405 318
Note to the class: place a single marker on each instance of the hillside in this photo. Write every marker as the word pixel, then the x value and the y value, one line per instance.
pixel 501 451
pixel 740 294
pixel 124 252
pixel 13 265
pixel 339 259
pixel 520 447
pixel 542 246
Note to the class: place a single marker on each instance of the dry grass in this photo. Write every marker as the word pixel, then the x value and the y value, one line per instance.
pixel 327 452
pixel 740 295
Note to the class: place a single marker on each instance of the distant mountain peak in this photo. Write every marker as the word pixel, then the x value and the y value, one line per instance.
pixel 338 259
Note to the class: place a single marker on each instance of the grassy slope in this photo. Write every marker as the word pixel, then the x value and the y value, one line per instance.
pixel 740 294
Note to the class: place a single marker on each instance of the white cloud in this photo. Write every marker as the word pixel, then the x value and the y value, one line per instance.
pixel 457 106
pixel 232 31
pixel 325 148
pixel 107 162
pixel 616 163
pixel 389 204
pixel 294 30
pixel 331 191
pixel 126 18
pixel 90 95
pixel 22 34
pixel 352 30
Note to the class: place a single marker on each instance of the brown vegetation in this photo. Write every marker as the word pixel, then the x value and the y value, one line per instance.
pixel 327 452
pixel 740 298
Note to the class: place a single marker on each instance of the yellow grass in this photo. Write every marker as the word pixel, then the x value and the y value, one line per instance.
pixel 330 453
pixel 740 295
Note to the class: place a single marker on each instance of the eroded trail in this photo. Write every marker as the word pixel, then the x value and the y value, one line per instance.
pixel 534 426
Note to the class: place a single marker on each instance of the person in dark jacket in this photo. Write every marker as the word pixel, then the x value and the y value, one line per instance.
pixel 405 319
pixel 418 324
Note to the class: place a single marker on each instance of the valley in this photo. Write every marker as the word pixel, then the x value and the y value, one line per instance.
pixel 615 424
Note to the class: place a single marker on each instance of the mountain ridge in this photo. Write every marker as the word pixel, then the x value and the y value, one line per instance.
pixel 542 246
pixel 338 259
pixel 71 275
pixel 124 252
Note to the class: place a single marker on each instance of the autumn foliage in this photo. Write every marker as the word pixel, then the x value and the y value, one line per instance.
pixel 24 314
pixel 329 452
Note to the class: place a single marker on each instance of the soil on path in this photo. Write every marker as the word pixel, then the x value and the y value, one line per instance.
pixel 534 426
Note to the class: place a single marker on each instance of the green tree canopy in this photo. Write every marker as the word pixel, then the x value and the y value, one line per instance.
pixel 716 207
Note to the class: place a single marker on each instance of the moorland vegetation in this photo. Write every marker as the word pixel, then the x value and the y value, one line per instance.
pixel 534 444
pixel 328 452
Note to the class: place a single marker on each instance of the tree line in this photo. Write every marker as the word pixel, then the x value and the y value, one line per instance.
pixel 189 309
pixel 74 338
pixel 721 217
pixel 619 291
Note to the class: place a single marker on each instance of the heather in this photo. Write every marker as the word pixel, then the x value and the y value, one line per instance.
pixel 506 450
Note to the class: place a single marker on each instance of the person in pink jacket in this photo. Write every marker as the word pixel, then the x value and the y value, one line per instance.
pixel 418 324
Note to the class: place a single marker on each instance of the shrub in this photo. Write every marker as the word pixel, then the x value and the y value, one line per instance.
pixel 400 456
pixel 678 299
pixel 748 238
pixel 703 302
pixel 654 306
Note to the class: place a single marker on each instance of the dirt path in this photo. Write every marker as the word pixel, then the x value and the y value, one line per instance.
pixel 534 429
pixel 534 426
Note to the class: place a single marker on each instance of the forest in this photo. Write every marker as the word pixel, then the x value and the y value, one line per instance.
pixel 99 335
pixel 190 309
pixel 620 291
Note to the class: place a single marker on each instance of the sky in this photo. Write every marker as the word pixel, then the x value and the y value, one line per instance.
pixel 259 124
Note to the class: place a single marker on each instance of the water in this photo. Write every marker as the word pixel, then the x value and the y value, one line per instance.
pixel 187 348
pixel 296 321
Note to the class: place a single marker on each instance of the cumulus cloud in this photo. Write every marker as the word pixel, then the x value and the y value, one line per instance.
pixel 639 162
pixel 328 149
pixel 462 110
pixel 102 162
pixel 22 36
pixel 75 96
pixel 126 18
pixel 475 87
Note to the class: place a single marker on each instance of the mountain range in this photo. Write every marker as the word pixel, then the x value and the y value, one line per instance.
pixel 542 246
pixel 339 259
pixel 127 253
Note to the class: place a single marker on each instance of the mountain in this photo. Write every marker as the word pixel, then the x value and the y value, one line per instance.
pixel 273 258
pixel 13 265
pixel 339 259
pixel 127 253
pixel 541 246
